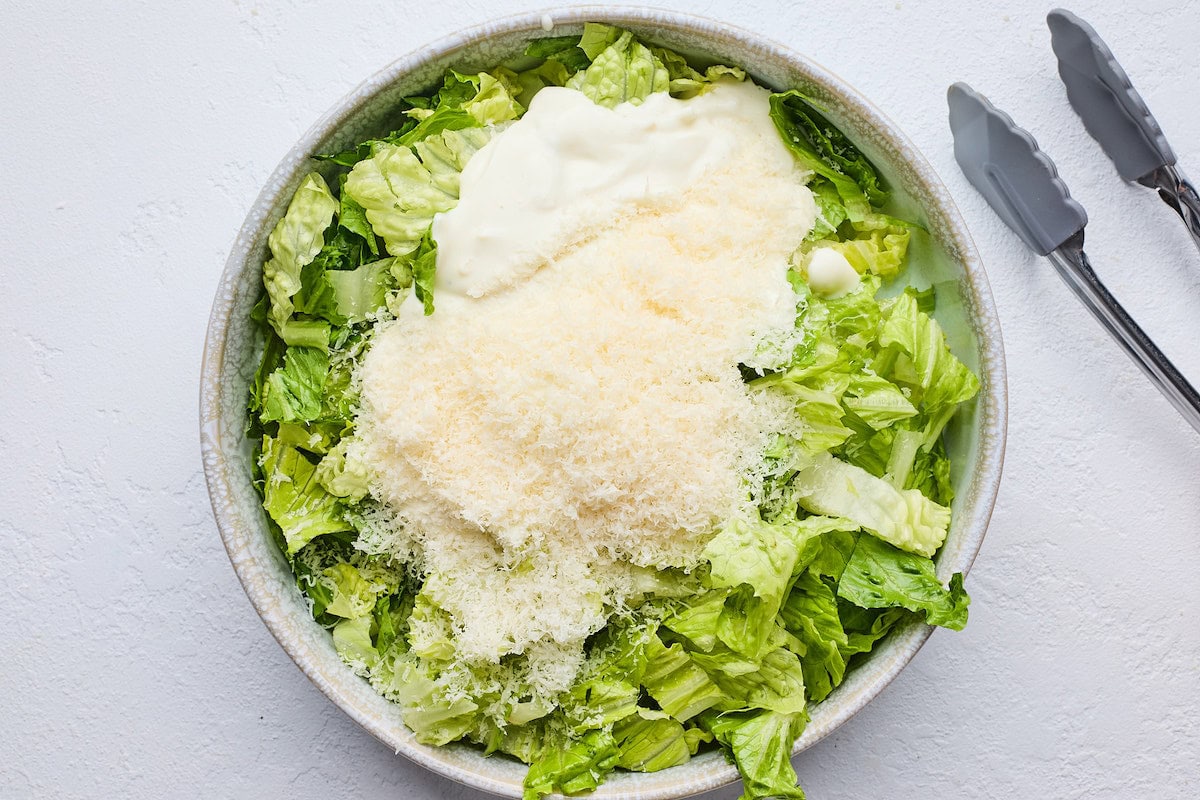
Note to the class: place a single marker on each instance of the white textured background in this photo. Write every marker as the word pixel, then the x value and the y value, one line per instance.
pixel 133 139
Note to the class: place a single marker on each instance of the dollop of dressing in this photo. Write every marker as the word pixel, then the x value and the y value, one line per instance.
pixel 830 275
pixel 568 166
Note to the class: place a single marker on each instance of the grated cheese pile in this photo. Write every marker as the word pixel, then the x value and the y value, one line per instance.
pixel 541 446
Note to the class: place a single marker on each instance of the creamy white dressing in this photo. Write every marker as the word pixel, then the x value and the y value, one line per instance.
pixel 830 275
pixel 569 167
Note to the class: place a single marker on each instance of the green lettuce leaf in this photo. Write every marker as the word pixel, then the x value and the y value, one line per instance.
pixel 308 564
pixel 757 554
pixel 854 314
pixel 596 38
pixel 757 560
pixel 431 631
pixel 775 682
pixel 623 72
pixel 371 613
pixel 294 242
pixel 607 687
pixel 733 630
pixel 811 615
pixel 402 188
pixel 435 715
pixel 761 745
pixel 877 401
pixel 820 147
pixel 819 410
pixel 527 83
pixel 696 736
pixel 293 392
pixel 834 551
pixel 905 518
pixel 881 576
pixel 930 474
pixel 831 211
pixel 353 595
pixel 563 50
pixel 343 248
pixel 926 298
pixel 747 622
pixel 864 627
pixel 905 447
pixel 572 767
pixel 306 333
pixel 352 640
pixel 293 497
pixel 686 81
pixel 360 293
pixel 600 701
pixel 340 400
pixel 677 684
pixel 880 251
pixel 522 741
pixel 337 287
pixel 464 101
pixel 391 622
pixel 424 272
pixel 926 363
pixel 317 437
pixel 342 472
pixel 697 620
pixel 272 357
pixel 871 449
pixel 649 741
pixel 353 218
pixel 492 102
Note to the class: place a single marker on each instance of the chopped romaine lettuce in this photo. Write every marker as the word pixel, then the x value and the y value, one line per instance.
pixel 597 37
pixel 623 72
pixel 811 615
pixel 402 188
pixel 774 682
pixel 294 498
pixel 572 767
pixel 342 472
pixel 825 150
pixel 677 684
pixel 782 603
pixel 905 518
pixel 880 576
pixel 761 746
pixel 926 363
pixel 292 393
pixel 562 50
pixel 294 242
pixel 649 740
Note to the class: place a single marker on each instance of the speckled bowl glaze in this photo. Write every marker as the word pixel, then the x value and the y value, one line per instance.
pixel 946 258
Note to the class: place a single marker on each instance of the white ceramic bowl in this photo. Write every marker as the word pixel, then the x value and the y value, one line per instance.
pixel 946 258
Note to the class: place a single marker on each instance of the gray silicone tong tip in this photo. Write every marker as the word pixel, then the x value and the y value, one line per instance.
pixel 1003 162
pixel 1101 93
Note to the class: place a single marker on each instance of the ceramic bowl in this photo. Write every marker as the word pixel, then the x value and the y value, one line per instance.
pixel 946 258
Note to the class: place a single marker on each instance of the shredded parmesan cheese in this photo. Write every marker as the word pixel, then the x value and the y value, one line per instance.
pixel 540 444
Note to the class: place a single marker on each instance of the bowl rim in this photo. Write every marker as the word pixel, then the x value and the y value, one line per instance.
pixel 993 407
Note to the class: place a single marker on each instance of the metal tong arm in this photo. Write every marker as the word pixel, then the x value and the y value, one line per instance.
pixel 1073 267
pixel 1177 192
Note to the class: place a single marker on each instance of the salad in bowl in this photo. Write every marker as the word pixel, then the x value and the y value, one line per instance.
pixel 598 417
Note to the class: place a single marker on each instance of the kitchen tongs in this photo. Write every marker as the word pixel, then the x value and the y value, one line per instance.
pixel 1021 184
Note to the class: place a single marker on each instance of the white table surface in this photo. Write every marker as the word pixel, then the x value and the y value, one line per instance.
pixel 135 137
